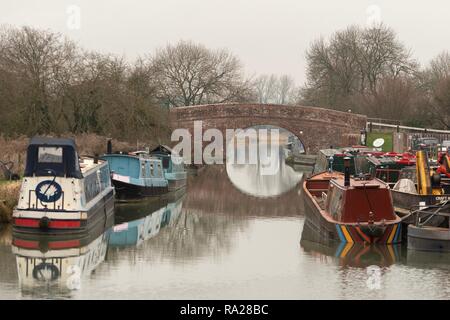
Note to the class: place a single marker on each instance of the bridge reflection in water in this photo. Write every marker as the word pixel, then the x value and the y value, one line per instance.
pixel 268 177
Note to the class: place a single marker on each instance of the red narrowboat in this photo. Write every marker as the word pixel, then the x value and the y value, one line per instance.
pixel 340 208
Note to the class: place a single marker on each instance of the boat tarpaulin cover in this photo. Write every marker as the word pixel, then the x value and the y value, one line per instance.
pixel 41 161
pixel 405 185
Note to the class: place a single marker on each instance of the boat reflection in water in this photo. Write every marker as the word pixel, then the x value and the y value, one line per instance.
pixel 428 260
pixel 140 221
pixel 350 254
pixel 57 265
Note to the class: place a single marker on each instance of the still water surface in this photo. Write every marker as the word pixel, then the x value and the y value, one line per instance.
pixel 214 242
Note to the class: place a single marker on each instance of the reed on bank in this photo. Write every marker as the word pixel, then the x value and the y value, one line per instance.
pixel 9 194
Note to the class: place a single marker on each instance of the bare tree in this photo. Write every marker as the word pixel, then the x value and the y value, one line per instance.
pixel 189 74
pixel 35 58
pixel 353 62
pixel 437 70
pixel 49 85
pixel 440 102
pixel 382 55
pixel 393 98
pixel 286 90
pixel 440 66
pixel 275 89
pixel 266 88
pixel 434 83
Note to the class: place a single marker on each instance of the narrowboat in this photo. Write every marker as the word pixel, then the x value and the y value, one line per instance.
pixel 344 209
pixel 335 159
pixel 59 263
pixel 419 187
pixel 424 235
pixel 173 165
pixel 61 192
pixel 385 166
pixel 388 166
pixel 136 175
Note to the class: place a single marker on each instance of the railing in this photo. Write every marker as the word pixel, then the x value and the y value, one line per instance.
pixel 386 121
pixel 426 211
pixel 36 202
pixel 370 125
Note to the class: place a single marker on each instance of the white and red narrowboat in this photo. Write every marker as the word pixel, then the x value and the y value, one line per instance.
pixel 61 192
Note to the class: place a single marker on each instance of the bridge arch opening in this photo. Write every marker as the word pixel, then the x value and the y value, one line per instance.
pixel 258 165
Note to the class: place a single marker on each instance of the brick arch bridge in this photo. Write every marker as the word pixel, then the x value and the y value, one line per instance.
pixel 317 128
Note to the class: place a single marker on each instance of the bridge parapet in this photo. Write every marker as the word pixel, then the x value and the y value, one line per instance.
pixel 317 128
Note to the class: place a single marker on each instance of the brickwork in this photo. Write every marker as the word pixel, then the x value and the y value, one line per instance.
pixel 317 128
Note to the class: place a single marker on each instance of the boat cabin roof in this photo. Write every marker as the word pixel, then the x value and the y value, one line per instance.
pixel 358 184
pixel 362 201
pixel 87 163
pixel 138 155
pixel 337 179
pixel 162 149
pixel 59 142
pixel 52 157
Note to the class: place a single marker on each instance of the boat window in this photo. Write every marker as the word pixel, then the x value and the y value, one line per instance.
pixel 144 172
pixel 50 155
pixel 151 169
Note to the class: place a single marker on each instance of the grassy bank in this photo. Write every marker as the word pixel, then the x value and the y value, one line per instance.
pixel 9 193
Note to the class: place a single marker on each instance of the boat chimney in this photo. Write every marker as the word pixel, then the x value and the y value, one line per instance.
pixel 109 147
pixel 347 171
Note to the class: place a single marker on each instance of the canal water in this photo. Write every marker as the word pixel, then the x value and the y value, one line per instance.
pixel 214 241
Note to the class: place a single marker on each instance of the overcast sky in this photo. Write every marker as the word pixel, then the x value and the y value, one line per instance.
pixel 269 36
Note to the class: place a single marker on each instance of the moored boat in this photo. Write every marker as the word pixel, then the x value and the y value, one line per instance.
pixel 173 165
pixel 385 166
pixel 419 187
pixel 340 208
pixel 60 192
pixel 424 235
pixel 136 175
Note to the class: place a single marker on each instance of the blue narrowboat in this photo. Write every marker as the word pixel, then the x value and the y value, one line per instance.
pixel 173 165
pixel 136 175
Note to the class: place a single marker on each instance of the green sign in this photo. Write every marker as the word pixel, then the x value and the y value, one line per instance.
pixel 380 140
